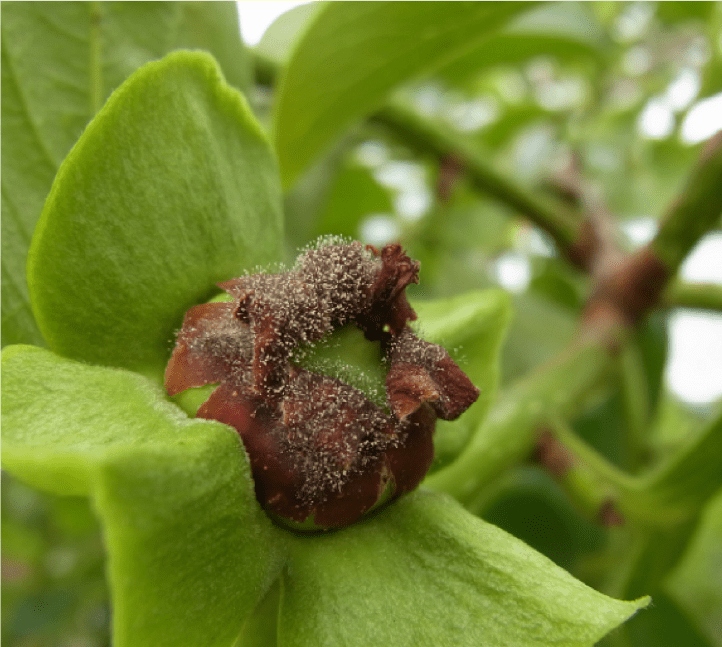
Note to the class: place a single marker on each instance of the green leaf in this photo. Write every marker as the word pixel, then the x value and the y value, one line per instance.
pixel 190 552
pixel 354 53
pixel 60 61
pixel 213 26
pixel 566 30
pixel 354 195
pixel 171 188
pixel 472 327
pixel 261 628
pixel 540 329
pixel 426 572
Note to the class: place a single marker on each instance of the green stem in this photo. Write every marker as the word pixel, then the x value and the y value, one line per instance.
pixel 700 296
pixel 426 135
pixel 616 479
pixel 666 496
pixel 508 435
pixel 696 211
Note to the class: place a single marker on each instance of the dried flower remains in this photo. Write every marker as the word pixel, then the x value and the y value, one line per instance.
pixel 321 451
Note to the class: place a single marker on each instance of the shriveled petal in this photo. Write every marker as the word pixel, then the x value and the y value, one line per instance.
pixel 389 307
pixel 408 386
pixel 199 356
pixel 457 391
pixel 234 287
pixel 423 372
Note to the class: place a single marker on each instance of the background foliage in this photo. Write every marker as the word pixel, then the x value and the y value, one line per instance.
pixel 480 136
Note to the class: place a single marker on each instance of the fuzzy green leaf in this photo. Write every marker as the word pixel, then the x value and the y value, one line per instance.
pixel 171 189
pixel 472 327
pixel 354 53
pixel 190 553
pixel 426 572
pixel 60 61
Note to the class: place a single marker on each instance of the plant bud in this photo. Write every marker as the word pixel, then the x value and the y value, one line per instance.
pixel 322 452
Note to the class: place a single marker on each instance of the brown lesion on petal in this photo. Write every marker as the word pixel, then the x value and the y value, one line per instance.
pixel 319 448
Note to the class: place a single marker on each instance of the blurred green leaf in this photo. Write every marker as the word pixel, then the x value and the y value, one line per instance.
pixel 672 12
pixel 697 581
pixel 538 331
pixel 213 26
pixel 473 582
pixel 51 549
pixel 354 195
pixel 171 189
pixel 665 625
pixel 60 61
pixel 353 53
pixel 530 505
pixel 566 30
pixel 174 495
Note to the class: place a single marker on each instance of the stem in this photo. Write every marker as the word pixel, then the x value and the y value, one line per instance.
pixel 700 296
pixel 696 211
pixel 509 432
pixel 618 480
pixel 423 134
pixel 664 497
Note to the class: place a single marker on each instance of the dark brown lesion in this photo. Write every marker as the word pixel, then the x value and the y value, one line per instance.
pixel 318 447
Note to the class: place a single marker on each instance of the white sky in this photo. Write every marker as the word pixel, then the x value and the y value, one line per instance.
pixel 694 369
pixel 257 15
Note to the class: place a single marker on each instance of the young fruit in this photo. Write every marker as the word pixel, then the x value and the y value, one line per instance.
pixel 322 452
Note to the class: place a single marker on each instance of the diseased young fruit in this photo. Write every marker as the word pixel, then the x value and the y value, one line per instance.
pixel 322 453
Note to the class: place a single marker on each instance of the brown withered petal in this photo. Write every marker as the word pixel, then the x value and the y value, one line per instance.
pixel 423 372
pixel 319 449
pixel 209 347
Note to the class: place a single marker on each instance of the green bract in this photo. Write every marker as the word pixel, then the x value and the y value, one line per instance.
pixel 171 188
pixel 201 186
pixel 60 62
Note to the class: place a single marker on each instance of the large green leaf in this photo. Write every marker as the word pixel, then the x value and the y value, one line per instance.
pixel 190 551
pixel 171 188
pixel 565 30
pixel 60 61
pixel 426 572
pixel 472 327
pixel 353 53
